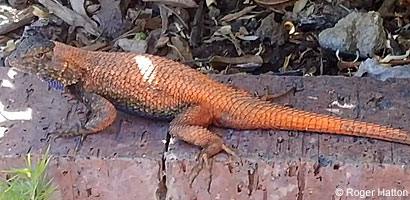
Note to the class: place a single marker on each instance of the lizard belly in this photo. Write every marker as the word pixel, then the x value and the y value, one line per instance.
pixel 142 109
pixel 146 103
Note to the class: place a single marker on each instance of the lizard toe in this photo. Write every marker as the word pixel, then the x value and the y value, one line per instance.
pixel 197 168
pixel 233 157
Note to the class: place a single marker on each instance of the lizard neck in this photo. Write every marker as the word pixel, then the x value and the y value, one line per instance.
pixel 72 63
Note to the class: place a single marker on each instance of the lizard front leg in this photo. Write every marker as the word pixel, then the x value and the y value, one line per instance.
pixel 101 114
pixel 191 126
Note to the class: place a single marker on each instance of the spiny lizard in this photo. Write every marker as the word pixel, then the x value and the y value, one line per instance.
pixel 158 87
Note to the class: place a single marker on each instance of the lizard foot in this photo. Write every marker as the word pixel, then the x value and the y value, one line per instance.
pixel 205 155
pixel 77 129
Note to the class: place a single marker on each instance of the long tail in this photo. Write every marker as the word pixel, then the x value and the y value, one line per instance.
pixel 264 115
pixel 236 108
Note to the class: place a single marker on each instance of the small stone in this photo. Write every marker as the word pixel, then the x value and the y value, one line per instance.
pixel 362 32
pixel 134 46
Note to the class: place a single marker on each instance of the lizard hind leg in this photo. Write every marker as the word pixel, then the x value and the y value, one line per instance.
pixel 191 126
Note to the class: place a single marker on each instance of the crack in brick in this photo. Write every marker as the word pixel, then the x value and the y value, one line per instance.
pixel 162 186
pixel 162 189
pixel 301 181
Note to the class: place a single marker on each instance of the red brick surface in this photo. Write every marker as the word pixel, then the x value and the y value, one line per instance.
pixel 135 159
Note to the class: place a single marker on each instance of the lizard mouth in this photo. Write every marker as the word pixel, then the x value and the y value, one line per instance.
pixel 14 64
pixel 9 62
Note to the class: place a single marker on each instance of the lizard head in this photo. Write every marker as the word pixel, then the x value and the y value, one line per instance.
pixel 34 54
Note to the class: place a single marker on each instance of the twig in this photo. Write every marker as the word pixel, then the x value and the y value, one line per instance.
pixel 23 17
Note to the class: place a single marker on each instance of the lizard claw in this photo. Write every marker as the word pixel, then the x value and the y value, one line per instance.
pixel 231 154
pixel 203 159
pixel 58 132
pixel 71 131
pixel 66 131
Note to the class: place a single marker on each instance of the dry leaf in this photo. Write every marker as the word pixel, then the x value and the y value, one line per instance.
pixel 161 42
pixel 110 18
pixel 177 3
pixel 70 17
pixel 243 63
pixel 390 57
pixel 243 34
pixel 237 60
pixel 39 12
pixel 93 8
pixel 277 4
pixel 272 30
pixel 224 30
pixel 180 48
pixel 18 4
pixel 210 2
pixel 99 44
pixel 164 13
pixel 78 7
pixel 272 2
pixel 299 5
pixel 247 37
pixel 223 33
pixel 233 16
pixel 10 46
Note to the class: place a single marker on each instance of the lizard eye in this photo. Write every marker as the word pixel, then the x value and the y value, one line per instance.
pixel 39 55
